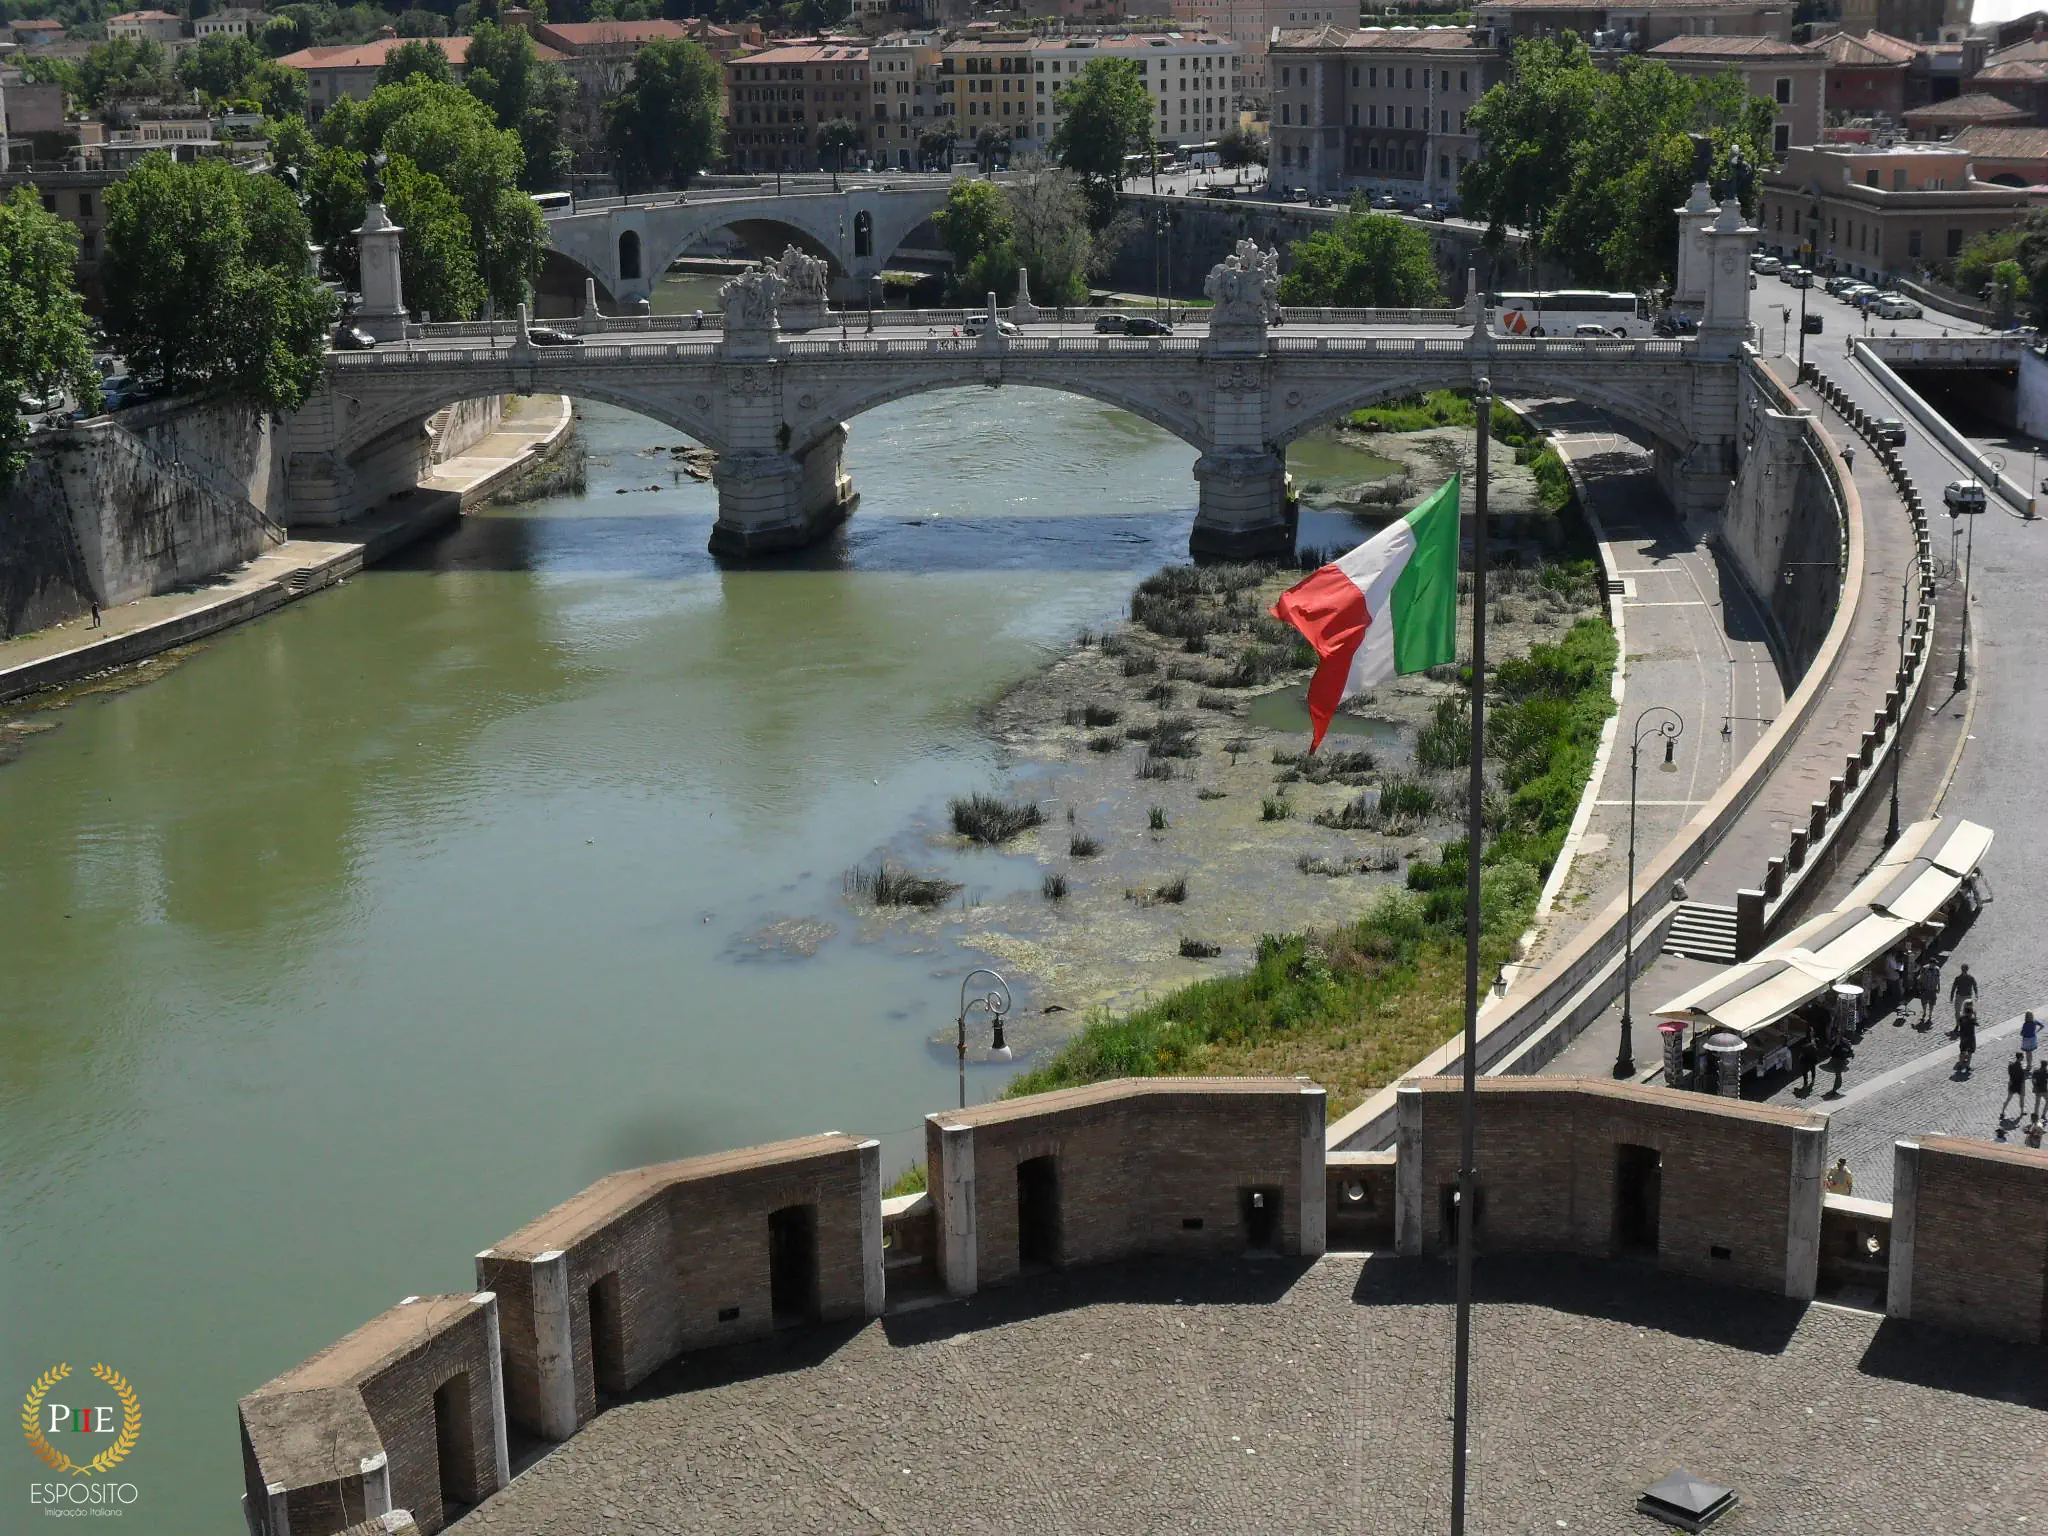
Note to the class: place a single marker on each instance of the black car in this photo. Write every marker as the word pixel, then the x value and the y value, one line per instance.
pixel 1226 193
pixel 1386 202
pixel 548 336
pixel 1810 324
pixel 1145 325
pixel 1889 429
pixel 353 338
pixel 1111 325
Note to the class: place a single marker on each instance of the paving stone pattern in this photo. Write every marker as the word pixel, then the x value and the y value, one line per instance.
pixel 1246 1396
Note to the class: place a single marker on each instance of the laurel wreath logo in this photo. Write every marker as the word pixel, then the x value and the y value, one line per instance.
pixel 56 1460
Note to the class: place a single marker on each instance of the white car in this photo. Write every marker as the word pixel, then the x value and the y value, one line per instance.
pixel 974 325
pixel 1892 307
pixel 1769 266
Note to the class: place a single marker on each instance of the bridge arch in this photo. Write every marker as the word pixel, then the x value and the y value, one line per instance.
pixel 367 432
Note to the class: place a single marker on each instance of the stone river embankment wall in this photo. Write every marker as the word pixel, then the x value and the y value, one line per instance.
pixel 124 506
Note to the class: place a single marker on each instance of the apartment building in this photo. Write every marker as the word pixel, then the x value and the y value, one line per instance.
pixel 778 98
pixel 1631 27
pixel 1791 77
pixel 1878 212
pixel 903 71
pixel 1252 25
pixel 41 32
pixel 240 22
pixel 145 27
pixel 351 69
pixel 985 82
pixel 1378 109
pixel 598 56
pixel 1196 81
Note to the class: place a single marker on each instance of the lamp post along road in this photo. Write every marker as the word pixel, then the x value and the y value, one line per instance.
pixel 1657 720
pixel 995 1004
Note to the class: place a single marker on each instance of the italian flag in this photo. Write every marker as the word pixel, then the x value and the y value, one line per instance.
pixel 1387 608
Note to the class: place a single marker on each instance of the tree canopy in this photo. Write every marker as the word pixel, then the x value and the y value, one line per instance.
pixel 1108 115
pixel 1365 261
pixel 1038 221
pixel 528 95
pixel 664 128
pixel 42 327
pixel 216 66
pixel 1591 163
pixel 416 57
pixel 124 69
pixel 207 283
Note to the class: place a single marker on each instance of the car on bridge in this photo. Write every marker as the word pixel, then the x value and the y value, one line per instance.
pixel 549 336
pixel 353 338
pixel 1892 307
pixel 1386 202
pixel 1890 430
pixel 974 325
pixel 1226 193
pixel 1146 325
pixel 1427 211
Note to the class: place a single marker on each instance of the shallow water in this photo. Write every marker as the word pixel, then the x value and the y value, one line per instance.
pixel 376 927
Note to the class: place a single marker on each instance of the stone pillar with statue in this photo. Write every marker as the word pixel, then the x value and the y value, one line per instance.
pixel 773 493
pixel 1246 508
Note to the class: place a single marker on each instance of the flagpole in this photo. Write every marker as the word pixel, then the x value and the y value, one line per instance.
pixel 1482 402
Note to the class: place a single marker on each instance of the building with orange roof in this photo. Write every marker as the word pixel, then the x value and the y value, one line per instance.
pixel 1866 76
pixel 145 27
pixel 1790 76
pixel 351 69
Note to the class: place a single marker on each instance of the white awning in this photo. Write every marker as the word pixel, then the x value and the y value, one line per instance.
pixel 1913 892
pixel 1845 940
pixel 1746 997
pixel 1958 847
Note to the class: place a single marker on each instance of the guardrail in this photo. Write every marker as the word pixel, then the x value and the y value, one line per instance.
pixel 1949 438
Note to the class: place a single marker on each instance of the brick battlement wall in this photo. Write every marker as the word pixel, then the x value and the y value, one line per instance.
pixel 411 1410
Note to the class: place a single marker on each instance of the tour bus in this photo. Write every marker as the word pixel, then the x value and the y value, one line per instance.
pixel 555 202
pixel 1567 311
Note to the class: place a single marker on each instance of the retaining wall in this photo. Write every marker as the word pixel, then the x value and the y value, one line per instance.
pixel 1969 1238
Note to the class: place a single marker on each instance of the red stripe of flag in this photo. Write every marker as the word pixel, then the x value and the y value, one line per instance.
pixel 1329 610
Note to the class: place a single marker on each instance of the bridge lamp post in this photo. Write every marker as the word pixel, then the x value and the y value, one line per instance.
pixel 1659 720
pixel 995 1003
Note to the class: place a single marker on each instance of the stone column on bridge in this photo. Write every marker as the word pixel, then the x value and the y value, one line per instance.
pixel 1246 507
pixel 773 494
pixel 383 309
pixel 1689 290
pixel 1724 321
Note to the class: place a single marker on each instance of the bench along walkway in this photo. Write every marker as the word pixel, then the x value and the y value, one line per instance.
pixel 130 632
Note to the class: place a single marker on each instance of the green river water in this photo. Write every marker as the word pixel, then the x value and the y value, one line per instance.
pixel 374 928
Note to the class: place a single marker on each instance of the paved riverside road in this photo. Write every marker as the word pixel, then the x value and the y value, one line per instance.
pixel 1694 643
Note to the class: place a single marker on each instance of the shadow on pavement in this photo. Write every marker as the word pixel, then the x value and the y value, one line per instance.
pixel 1958 1362
pixel 1620 1292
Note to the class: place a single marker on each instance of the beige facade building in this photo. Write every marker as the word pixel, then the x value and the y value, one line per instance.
pixel 145 27
pixel 351 70
pixel 1632 28
pixel 1253 24
pixel 778 98
pixel 229 23
pixel 1878 213
pixel 1196 81
pixel 1382 109
pixel 1791 77
pixel 904 73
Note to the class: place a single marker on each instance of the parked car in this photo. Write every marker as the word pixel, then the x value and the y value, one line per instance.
pixel 1321 202
pixel 1798 277
pixel 1111 325
pixel 353 338
pixel 1963 496
pixel 1889 429
pixel 1145 325
pixel 1837 284
pixel 1429 211
pixel 974 325
pixel 1386 202
pixel 1225 193
pixel 1297 194
pixel 1769 266
pixel 1810 323
pixel 549 336
pixel 1892 307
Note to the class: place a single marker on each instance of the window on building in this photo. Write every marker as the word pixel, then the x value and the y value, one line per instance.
pixel 1411 79
pixel 1444 120
pixel 1372 117
pixel 1407 117
pixel 1372 77
pixel 1898 181
pixel 1955 243
pixel 1870 178
pixel 1443 165
pixel 1443 80
pixel 1286 75
pixel 1463 88
pixel 1784 90
pixel 1354 116
pixel 1781 139
pixel 1913 243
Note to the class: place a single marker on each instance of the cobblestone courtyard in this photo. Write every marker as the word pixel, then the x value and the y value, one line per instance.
pixel 1266 1398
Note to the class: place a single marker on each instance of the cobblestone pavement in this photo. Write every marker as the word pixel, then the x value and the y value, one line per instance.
pixel 1261 1397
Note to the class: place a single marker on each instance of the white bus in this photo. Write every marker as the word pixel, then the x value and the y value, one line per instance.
pixel 1565 311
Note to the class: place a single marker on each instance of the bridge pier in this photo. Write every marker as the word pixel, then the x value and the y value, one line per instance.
pixel 770 501
pixel 1247 508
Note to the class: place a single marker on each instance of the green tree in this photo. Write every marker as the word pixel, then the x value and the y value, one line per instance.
pixel 836 139
pixel 1049 233
pixel 2008 286
pixel 419 23
pixel 450 134
pixel 528 95
pixel 1237 147
pixel 216 66
pixel 337 196
pixel 1984 252
pixel 935 148
pixel 292 145
pixel 992 147
pixel 123 69
pixel 415 58
pixel 1528 124
pixel 42 69
pixel 1365 261
pixel 42 327
pixel 207 283
pixel 1108 115
pixel 441 277
pixel 664 127
pixel 975 224
pixel 277 91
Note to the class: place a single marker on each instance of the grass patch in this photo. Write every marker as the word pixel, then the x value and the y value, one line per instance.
pixel 1162 694
pixel 1082 846
pixel 988 819
pixel 1334 767
pixel 1173 736
pixel 1054 886
pixel 1217 701
pixel 1094 716
pixel 1212 794
pixel 1275 808
pixel 1316 864
pixel 1198 949
pixel 911 1181
pixel 1155 819
pixel 1446 741
pixel 1150 767
pixel 1399 807
pixel 1138 663
pixel 1103 743
pixel 887 886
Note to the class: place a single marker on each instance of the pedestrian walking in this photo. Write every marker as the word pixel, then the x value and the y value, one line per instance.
pixel 2040 1089
pixel 2015 1083
pixel 1966 1036
pixel 1962 990
pixel 2030 1037
pixel 1894 984
pixel 95 612
pixel 1806 1056
pixel 1849 458
pixel 1840 1181
pixel 1838 1063
pixel 1930 988
pixel 2034 1132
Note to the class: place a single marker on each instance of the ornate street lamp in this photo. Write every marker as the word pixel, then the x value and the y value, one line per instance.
pixel 995 1004
pixel 1657 720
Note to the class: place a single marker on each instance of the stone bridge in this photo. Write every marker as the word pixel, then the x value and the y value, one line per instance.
pixel 772 395
pixel 626 244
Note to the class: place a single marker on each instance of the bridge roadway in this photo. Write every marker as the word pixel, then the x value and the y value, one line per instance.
pixel 774 404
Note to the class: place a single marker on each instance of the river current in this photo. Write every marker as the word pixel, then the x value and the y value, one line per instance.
pixel 372 929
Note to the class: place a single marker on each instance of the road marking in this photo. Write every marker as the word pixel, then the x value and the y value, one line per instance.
pixel 1679 602
pixel 1652 802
